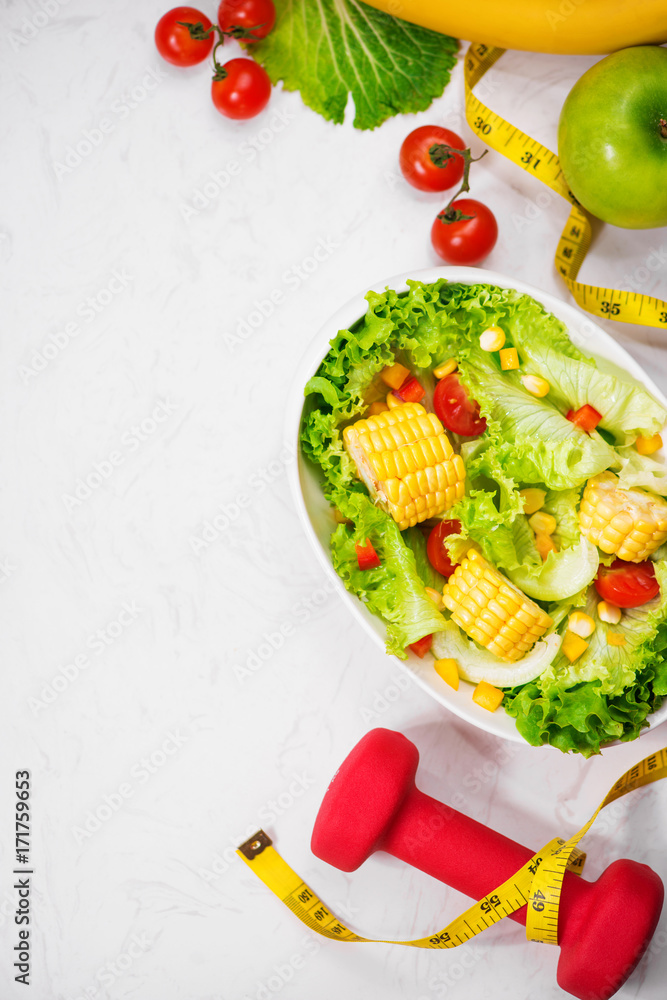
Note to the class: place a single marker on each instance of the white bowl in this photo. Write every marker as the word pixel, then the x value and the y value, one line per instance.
pixel 315 512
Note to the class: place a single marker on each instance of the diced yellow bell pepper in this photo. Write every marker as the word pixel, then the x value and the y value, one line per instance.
pixel 448 669
pixel 647 445
pixel 509 359
pixel 544 544
pixel 394 375
pixel 487 696
pixel 573 646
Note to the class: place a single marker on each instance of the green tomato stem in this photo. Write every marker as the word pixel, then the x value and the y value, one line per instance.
pixel 448 213
pixel 199 33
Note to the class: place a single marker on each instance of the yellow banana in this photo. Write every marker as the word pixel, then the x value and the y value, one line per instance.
pixel 570 27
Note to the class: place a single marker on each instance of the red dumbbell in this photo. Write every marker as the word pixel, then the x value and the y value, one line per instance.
pixel 372 804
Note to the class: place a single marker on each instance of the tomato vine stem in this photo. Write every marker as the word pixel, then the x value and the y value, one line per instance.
pixel 199 33
pixel 440 154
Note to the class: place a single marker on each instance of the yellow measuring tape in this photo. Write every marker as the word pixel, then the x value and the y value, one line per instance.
pixel 538 883
pixel 531 156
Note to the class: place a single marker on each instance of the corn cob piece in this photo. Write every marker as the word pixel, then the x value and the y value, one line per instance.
pixel 407 463
pixel 491 610
pixel 630 523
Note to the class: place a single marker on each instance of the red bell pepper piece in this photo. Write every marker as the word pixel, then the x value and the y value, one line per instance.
pixel 586 417
pixel 411 391
pixel 367 557
pixel 422 646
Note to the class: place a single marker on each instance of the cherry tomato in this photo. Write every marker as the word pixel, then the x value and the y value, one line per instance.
pixel 466 241
pixel 422 646
pixel 436 550
pixel 173 39
pixel 455 409
pixel 257 14
pixel 367 557
pixel 586 417
pixel 627 584
pixel 244 92
pixel 417 166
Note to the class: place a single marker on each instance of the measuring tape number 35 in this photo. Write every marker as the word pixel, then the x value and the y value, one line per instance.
pixel 536 885
pixel 575 240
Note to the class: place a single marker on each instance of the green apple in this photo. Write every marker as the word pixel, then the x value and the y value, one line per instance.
pixel 612 138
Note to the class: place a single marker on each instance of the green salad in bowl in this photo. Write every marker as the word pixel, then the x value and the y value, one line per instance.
pixel 500 505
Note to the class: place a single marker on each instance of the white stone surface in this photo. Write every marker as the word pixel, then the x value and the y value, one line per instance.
pixel 153 706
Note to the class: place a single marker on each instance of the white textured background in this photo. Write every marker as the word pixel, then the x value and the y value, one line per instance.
pixel 159 387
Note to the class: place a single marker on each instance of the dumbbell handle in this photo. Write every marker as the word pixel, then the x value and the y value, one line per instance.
pixel 465 854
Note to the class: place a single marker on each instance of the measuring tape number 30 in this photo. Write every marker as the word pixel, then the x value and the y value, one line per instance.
pixel 575 240
pixel 536 885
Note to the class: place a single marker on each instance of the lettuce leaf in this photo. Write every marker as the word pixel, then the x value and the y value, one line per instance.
pixel 613 666
pixel 564 506
pixel 562 575
pixel 427 574
pixel 394 590
pixel 532 440
pixel 492 516
pixel 332 49
pixel 627 408
pixel 608 692
pixel 641 470
pixel 581 718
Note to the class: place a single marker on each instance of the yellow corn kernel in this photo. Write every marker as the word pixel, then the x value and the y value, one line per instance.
pixel 544 544
pixel 543 523
pixel 448 669
pixel 392 401
pixel 609 613
pixel 394 375
pixel 407 463
pixel 492 339
pixel 535 384
pixel 615 639
pixel 509 359
pixel 446 368
pixel 487 696
pixel 532 499
pixel 434 595
pixel 377 407
pixel 573 646
pixel 491 610
pixel 647 445
pixel 628 523
pixel 581 624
